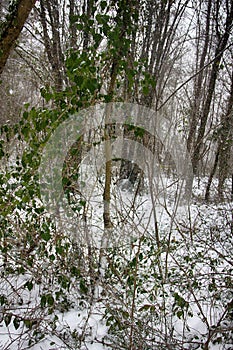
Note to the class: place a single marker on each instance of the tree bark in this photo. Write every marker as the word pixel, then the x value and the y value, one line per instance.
pixel 199 80
pixel 221 46
pixel 49 16
pixel 225 144
pixel 18 14
pixel 212 173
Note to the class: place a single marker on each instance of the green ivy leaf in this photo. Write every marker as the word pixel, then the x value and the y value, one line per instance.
pixel 139 132
pixel 7 319
pixel 29 285
pixel 83 287
pixel 43 300
pixel 103 5
pixel 50 300
pixel 28 323
pixel 45 236
pixel 3 300
pixel 16 323
pixel 52 257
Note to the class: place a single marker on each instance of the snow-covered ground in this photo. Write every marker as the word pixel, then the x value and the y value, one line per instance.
pixel 165 281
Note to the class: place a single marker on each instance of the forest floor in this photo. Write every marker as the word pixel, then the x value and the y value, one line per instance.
pixel 175 296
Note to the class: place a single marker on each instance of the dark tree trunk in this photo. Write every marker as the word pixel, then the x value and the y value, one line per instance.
pixel 212 173
pixel 53 43
pixel 11 28
pixel 225 144
pixel 221 46
pixel 199 80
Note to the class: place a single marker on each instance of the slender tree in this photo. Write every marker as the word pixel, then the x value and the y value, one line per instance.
pixel 124 24
pixel 221 44
pixel 199 80
pixel 225 144
pixel 50 20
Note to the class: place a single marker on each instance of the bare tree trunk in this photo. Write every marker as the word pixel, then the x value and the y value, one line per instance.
pixel 73 29
pixel 53 44
pixel 225 144
pixel 212 173
pixel 223 153
pixel 199 81
pixel 88 10
pixel 12 26
pixel 221 45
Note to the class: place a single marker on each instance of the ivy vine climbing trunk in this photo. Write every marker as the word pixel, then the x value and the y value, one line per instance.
pixel 12 26
pixel 119 46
